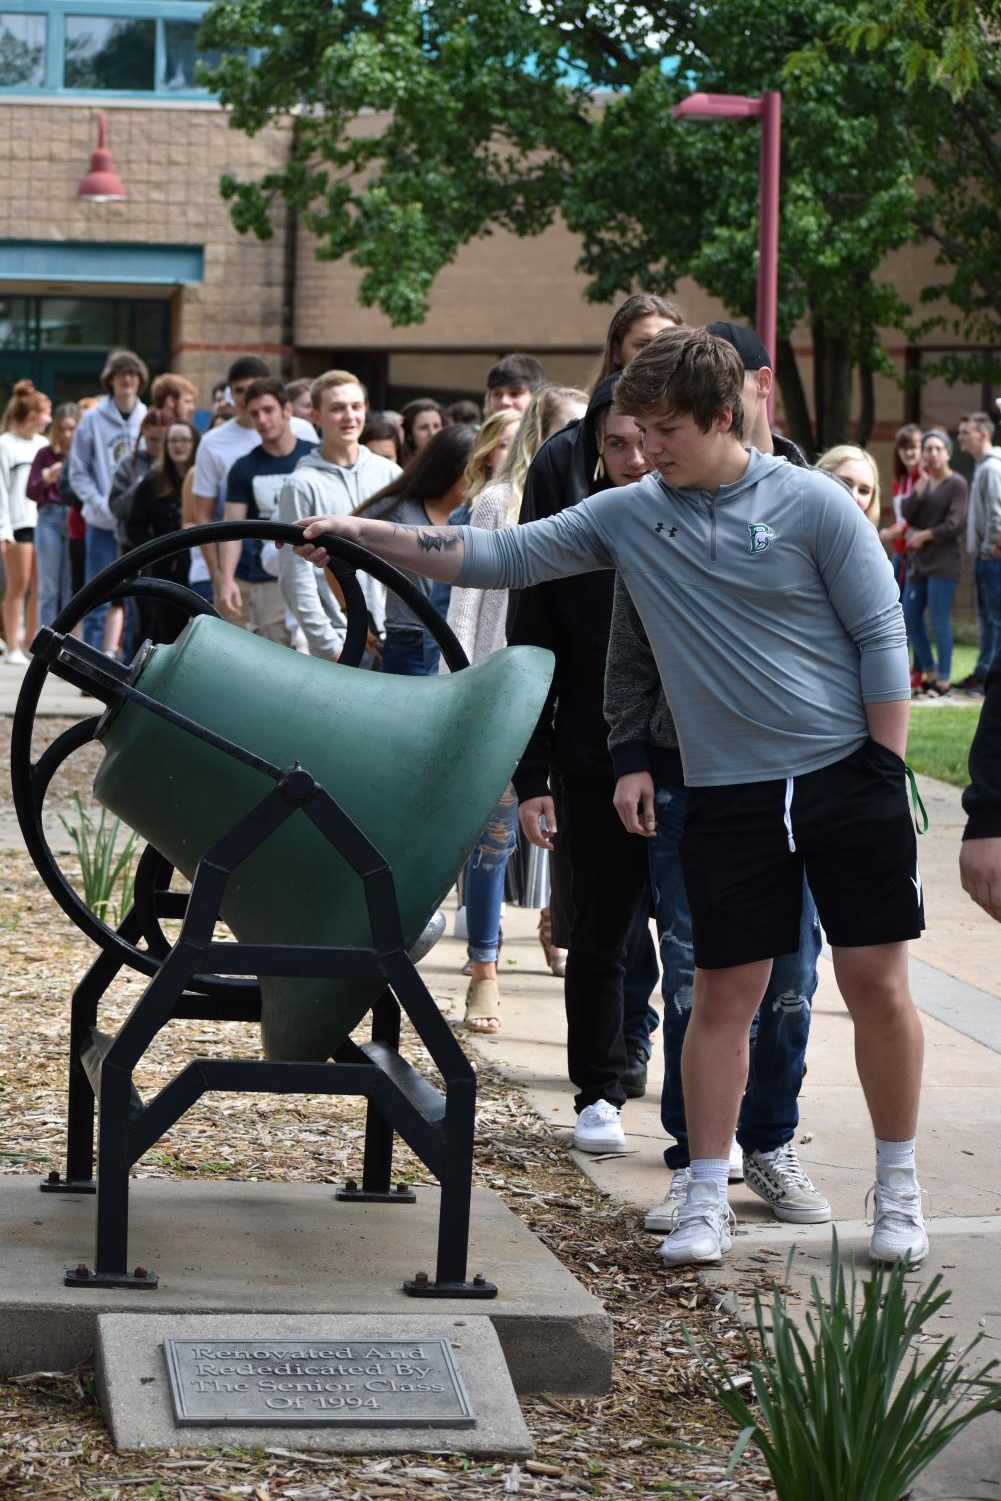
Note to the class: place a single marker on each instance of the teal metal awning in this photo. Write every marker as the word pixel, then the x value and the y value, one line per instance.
pixel 70 261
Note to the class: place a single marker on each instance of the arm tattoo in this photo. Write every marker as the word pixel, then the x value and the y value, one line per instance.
pixel 440 539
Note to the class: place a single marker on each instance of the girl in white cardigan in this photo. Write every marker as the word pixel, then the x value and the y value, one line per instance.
pixel 18 446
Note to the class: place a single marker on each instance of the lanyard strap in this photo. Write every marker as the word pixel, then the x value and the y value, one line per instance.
pixel 920 811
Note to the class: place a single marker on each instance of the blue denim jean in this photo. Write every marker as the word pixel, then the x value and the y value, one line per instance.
pixel 769 1112
pixel 53 558
pixel 935 596
pixel 483 889
pixel 410 653
pixel 987 582
pixel 101 548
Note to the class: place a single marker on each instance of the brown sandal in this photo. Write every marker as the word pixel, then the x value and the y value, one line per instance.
pixel 483 1007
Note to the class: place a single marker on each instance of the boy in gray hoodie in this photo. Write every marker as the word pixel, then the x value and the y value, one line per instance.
pixel 337 477
pixel 107 433
pixel 775 621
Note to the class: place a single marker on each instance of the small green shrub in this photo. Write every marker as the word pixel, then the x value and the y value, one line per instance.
pixel 851 1413
pixel 104 869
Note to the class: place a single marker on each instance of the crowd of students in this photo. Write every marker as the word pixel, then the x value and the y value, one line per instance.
pixel 722 747
pixel 937 517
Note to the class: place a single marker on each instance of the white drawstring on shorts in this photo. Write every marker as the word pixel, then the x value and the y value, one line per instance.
pixel 787 816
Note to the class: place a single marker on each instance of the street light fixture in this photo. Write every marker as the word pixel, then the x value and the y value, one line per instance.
pixel 768 109
pixel 102 183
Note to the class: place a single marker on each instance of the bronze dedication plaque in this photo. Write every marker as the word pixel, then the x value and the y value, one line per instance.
pixel 358 1383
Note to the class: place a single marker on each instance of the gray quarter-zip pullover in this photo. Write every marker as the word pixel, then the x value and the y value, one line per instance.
pixel 771 609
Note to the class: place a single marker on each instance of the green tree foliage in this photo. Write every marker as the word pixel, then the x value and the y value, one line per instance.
pixel 951 60
pixel 418 127
pixel 688 204
pixel 421 124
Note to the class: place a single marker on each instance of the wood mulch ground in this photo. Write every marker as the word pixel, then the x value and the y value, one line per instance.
pixel 53 1443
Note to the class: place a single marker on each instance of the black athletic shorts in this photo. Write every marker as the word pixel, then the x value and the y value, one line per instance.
pixel 24 534
pixel 848 826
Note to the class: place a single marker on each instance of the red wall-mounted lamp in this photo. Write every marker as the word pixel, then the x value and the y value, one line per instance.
pixel 102 183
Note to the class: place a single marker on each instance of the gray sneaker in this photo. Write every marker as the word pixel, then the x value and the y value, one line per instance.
pixel 778 1178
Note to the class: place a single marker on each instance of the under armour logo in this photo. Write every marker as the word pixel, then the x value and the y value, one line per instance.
pixel 672 532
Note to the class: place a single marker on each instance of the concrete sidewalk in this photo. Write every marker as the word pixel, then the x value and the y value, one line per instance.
pixel 956 980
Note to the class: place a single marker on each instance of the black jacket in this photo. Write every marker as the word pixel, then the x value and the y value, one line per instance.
pixel 570 616
pixel 982 799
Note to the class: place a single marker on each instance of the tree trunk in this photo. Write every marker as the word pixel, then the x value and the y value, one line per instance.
pixel 867 413
pixel 794 397
pixel 832 386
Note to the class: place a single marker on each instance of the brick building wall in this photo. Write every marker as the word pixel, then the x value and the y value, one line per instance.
pixel 169 158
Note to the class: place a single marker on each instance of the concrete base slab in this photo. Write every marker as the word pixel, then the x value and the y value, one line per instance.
pixel 267 1248
pixel 135 1394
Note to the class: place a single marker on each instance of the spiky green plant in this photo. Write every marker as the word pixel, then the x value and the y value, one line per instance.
pixel 849 1411
pixel 104 868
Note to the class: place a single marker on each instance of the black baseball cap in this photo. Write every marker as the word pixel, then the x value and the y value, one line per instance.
pixel 753 354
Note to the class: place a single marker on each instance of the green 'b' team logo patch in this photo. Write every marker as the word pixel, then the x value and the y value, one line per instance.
pixel 761 535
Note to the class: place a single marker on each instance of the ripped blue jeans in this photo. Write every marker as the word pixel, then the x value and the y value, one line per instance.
pixel 484 884
pixel 769 1112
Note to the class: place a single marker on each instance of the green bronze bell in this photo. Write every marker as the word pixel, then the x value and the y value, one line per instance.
pixel 417 763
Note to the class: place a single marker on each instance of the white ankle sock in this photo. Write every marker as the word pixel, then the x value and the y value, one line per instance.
pixel 895 1156
pixel 711 1170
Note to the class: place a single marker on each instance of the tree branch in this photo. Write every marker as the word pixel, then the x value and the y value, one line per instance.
pixel 983 137
pixel 959 255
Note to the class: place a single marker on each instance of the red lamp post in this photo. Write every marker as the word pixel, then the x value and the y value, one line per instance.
pixel 768 109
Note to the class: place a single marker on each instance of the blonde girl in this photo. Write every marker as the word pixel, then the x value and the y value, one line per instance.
pixel 858 470
pixel 489 450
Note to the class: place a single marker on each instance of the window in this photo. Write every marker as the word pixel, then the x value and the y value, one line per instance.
pixel 82 323
pixel 179 56
pixel 102 53
pixel 14 323
pixel 22 50
pixel 39 325
pixel 102 46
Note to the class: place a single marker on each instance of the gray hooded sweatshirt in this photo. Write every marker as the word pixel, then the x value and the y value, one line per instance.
pixel 314 488
pixel 983 518
pixel 770 606
pixel 102 440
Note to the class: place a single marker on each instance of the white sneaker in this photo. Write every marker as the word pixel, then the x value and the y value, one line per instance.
pixel 735 1172
pixel 661 1217
pixel 702 1228
pixel 898 1226
pixel 16 658
pixel 599 1129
